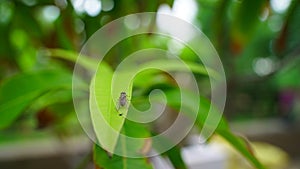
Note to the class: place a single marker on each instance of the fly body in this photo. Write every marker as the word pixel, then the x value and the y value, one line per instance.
pixel 122 101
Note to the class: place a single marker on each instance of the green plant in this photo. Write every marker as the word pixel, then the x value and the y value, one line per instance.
pixel 35 85
pixel 36 76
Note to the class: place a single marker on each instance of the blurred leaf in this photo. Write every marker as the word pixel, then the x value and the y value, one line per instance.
pixel 247 15
pixel 84 61
pixel 174 155
pixel 135 130
pixel 24 17
pixel 175 101
pixel 26 53
pixel 222 128
pixel 18 92
pixel 240 145
pixel 288 76
pixel 103 161
pixel 147 78
pixel 65 29
pixel 291 31
pixel 52 97
pixel 152 76
pixel 245 19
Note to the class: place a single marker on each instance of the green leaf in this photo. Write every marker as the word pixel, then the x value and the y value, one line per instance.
pixel 174 155
pixel 247 16
pixel 134 130
pixel 105 117
pixel 104 101
pixel 222 129
pixel 52 97
pixel 240 145
pixel 103 160
pixel 174 100
pixel 84 61
pixel 288 77
pixel 18 92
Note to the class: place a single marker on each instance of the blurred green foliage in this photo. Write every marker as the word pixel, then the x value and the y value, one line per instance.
pixel 258 44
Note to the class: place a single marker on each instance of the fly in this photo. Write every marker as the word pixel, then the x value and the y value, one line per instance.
pixel 122 101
